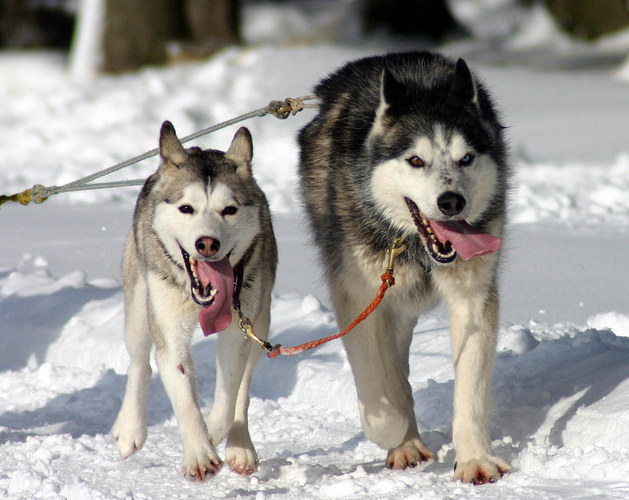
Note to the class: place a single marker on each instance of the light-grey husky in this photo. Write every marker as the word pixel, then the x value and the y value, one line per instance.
pixel 201 240
pixel 411 145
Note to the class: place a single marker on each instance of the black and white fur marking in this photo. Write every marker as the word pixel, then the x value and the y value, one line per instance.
pixel 404 144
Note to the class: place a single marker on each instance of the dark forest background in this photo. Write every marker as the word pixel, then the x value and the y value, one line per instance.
pixel 143 32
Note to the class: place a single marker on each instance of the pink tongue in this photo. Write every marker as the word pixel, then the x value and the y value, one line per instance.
pixel 467 241
pixel 220 275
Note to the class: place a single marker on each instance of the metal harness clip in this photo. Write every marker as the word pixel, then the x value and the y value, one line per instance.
pixel 399 245
pixel 246 327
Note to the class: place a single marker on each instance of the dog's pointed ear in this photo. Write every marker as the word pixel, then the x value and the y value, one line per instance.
pixel 391 99
pixel 241 150
pixel 391 91
pixel 170 149
pixel 463 86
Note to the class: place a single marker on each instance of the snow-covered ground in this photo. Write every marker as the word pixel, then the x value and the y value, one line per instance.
pixel 562 376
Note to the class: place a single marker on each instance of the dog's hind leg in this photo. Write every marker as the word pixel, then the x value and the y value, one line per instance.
pixel 473 306
pixel 129 430
pixel 377 350
pixel 236 358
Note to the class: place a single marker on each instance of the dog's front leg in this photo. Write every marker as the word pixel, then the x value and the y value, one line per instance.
pixel 177 373
pixel 234 354
pixel 377 350
pixel 129 430
pixel 236 357
pixel 172 329
pixel 473 307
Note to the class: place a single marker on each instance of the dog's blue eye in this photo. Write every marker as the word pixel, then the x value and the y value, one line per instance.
pixel 186 209
pixel 230 210
pixel 415 161
pixel 467 160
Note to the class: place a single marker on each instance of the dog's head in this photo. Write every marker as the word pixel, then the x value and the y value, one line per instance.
pixel 206 214
pixel 438 161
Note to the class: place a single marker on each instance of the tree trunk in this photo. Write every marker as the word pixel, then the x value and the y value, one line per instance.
pixel 140 32
pixel 590 19
pixel 34 24
pixel 212 25
pixel 137 32
pixel 427 18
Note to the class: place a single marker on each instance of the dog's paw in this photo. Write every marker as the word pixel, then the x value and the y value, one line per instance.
pixel 242 460
pixel 129 435
pixel 481 471
pixel 240 453
pixel 409 454
pixel 201 462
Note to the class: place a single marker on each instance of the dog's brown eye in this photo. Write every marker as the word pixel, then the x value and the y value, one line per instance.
pixel 186 209
pixel 230 210
pixel 415 161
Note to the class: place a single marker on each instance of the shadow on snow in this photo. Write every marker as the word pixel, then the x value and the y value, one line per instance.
pixel 586 367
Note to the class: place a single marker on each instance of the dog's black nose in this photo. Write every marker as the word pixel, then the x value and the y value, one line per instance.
pixel 207 246
pixel 451 203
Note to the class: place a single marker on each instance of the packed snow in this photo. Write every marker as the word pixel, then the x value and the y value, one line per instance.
pixel 561 383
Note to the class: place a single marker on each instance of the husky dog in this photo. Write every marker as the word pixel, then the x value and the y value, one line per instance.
pixel 201 242
pixel 411 145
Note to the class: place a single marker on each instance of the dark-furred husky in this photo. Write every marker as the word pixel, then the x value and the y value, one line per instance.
pixel 411 145
pixel 200 223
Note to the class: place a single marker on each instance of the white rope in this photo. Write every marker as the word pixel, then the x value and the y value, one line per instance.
pixel 279 109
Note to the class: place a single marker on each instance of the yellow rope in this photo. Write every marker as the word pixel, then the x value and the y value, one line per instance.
pixel 26 196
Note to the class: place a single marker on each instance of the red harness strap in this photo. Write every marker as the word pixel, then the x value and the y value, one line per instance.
pixel 278 349
pixel 273 351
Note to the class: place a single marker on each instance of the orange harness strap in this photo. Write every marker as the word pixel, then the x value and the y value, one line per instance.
pixel 280 350
pixel 273 351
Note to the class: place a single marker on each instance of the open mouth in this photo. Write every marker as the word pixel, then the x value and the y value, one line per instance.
pixel 202 291
pixel 444 240
pixel 441 251
pixel 212 287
